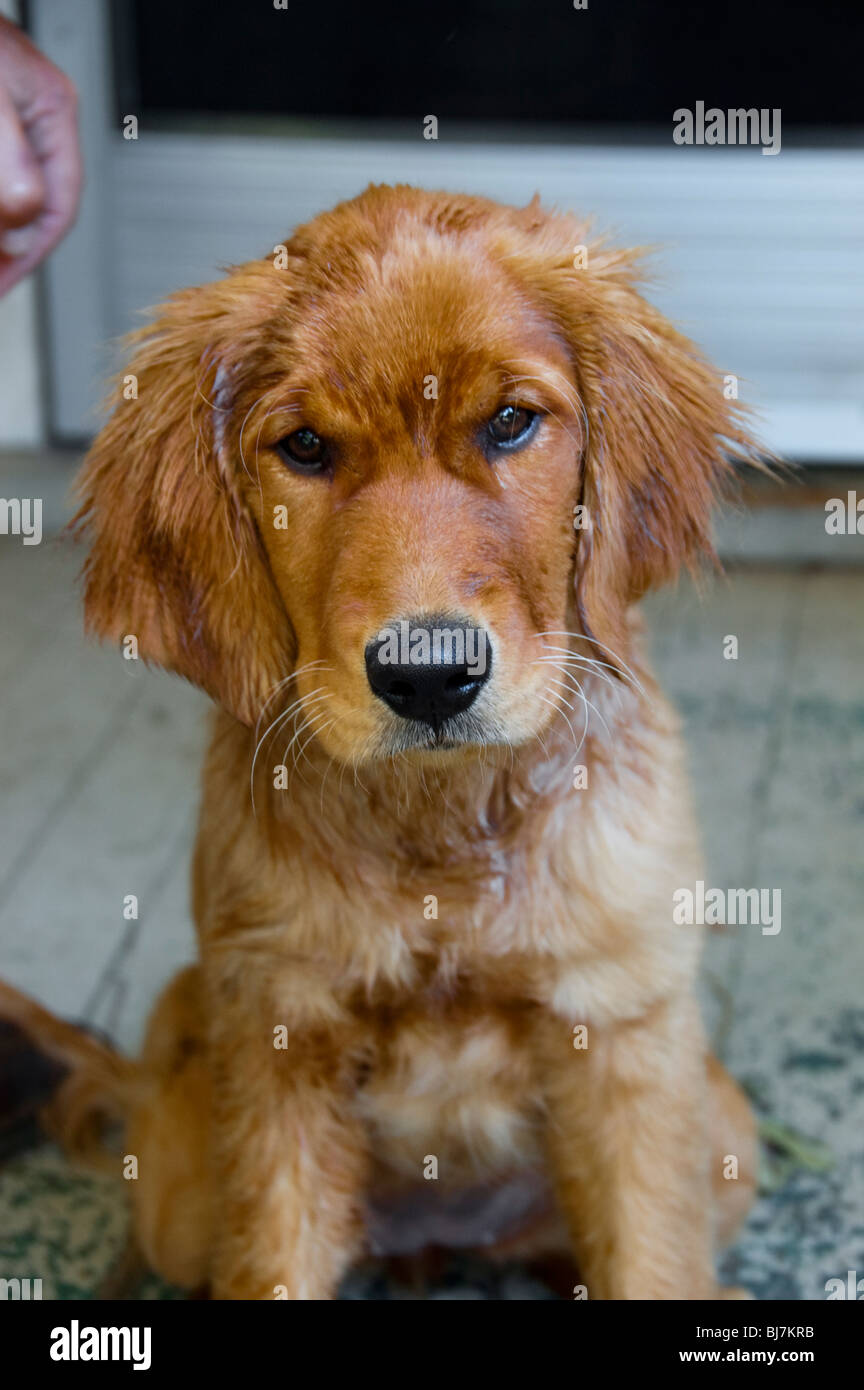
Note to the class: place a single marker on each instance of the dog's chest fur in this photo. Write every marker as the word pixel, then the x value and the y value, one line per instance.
pixel 441 943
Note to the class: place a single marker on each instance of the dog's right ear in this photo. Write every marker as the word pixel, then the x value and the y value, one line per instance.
pixel 176 560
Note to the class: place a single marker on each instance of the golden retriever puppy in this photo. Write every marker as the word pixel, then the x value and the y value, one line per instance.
pixel 390 497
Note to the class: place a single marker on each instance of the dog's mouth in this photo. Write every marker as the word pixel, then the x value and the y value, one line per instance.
pixel 452 734
pixel 439 743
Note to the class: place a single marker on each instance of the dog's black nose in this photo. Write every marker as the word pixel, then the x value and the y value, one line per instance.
pixel 430 669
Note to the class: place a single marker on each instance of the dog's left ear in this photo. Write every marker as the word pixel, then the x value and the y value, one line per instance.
pixel 659 434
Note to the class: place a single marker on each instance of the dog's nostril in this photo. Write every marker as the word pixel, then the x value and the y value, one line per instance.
pixel 430 669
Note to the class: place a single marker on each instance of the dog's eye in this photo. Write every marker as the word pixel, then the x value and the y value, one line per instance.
pixel 303 450
pixel 511 425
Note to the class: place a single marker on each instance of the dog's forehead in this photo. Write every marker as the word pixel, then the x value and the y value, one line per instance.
pixel 420 314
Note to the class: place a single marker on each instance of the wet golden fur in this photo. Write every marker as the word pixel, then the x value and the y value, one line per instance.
pixel 409 1034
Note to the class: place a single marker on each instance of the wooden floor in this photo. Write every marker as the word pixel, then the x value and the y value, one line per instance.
pixel 99 768
pixel 99 763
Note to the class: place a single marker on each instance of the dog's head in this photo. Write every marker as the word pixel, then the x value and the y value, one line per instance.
pixel 423 445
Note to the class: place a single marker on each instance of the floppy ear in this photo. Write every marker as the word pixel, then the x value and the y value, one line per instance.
pixel 175 555
pixel 660 437
pixel 661 440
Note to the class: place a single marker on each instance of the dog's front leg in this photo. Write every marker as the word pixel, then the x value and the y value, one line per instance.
pixel 289 1155
pixel 626 1117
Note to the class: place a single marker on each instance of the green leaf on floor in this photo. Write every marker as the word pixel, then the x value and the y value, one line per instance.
pixel 785 1151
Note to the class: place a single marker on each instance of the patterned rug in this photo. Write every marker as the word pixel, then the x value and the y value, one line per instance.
pixel 68 1230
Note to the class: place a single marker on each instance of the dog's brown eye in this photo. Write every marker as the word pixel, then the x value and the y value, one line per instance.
pixel 304 450
pixel 511 425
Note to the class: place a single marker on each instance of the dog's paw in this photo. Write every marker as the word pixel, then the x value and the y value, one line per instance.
pixel 735 1293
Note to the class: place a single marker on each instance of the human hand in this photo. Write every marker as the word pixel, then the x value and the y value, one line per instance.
pixel 40 163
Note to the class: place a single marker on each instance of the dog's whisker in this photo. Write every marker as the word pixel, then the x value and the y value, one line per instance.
pixel 595 661
pixel 552 681
pixel 544 745
pixel 280 684
pixel 274 410
pixel 583 637
pixel 277 722
pixel 564 667
pixel 592 706
pixel 294 747
pixel 254 406
pixel 589 662
pixel 568 671
pixel 307 709
pixel 589 705
pixel 285 712
pixel 294 709
pixel 578 656
pixel 575 688
pixel 577 637
pixel 562 661
pixel 424 786
pixel 315 730
pixel 584 730
pixel 357 782
pixel 299 749
pixel 554 704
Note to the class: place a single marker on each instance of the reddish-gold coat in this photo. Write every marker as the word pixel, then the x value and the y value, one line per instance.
pixel 429 926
